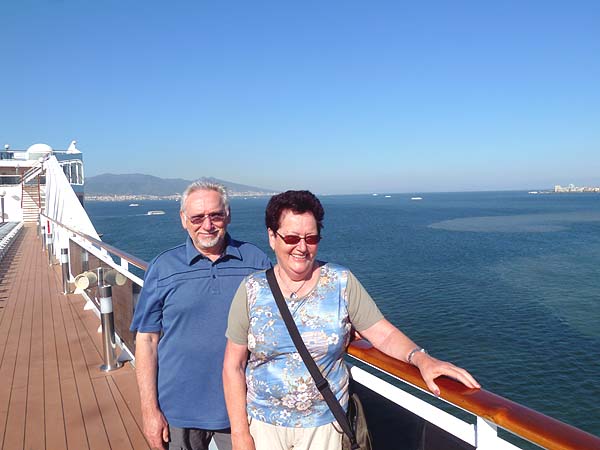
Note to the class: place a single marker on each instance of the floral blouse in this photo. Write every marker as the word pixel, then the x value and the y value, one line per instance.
pixel 280 390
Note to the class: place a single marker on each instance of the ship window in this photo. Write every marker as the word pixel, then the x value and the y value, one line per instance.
pixel 76 173
pixel 73 171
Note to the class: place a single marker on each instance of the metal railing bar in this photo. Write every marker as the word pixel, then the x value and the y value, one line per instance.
pixel 137 262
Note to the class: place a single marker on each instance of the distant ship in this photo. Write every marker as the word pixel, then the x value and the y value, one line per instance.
pixel 134 204
pixel 155 213
pixel 416 198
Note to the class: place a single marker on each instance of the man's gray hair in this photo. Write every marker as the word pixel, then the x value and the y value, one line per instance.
pixel 205 185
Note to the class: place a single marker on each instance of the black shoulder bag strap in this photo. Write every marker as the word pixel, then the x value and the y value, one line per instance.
pixel 309 362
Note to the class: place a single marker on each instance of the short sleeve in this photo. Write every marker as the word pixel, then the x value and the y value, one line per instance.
pixel 147 317
pixel 266 262
pixel 362 309
pixel 238 322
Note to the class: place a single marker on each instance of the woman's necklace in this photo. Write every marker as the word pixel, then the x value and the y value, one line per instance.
pixel 293 294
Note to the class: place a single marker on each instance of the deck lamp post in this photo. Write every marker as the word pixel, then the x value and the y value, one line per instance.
pixel 2 194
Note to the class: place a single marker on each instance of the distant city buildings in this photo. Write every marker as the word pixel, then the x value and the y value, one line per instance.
pixel 573 188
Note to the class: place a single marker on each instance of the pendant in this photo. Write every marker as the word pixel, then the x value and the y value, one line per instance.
pixel 293 296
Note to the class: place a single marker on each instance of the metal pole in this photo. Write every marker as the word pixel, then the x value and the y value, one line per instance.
pixel 108 330
pixel 50 248
pixel 100 273
pixel 64 263
pixel 43 234
pixel 85 265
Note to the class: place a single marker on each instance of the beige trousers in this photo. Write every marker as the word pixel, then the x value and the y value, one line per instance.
pixel 273 437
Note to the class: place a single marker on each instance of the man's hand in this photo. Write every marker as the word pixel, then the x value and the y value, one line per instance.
pixel 156 429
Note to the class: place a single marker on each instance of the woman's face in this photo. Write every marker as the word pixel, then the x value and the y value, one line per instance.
pixel 297 259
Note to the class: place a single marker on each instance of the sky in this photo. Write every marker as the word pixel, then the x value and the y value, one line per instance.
pixel 338 97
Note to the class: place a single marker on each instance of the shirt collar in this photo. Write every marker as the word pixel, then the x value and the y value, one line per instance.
pixel 192 254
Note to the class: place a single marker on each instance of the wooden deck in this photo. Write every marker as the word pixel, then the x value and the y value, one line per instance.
pixel 52 394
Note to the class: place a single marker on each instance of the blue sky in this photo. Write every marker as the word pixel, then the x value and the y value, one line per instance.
pixel 333 96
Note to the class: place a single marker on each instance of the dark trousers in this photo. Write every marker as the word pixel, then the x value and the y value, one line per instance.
pixel 196 439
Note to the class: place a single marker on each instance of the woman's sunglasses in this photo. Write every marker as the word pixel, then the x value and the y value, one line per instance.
pixel 292 239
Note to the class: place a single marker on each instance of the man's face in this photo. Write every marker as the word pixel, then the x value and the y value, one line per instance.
pixel 208 234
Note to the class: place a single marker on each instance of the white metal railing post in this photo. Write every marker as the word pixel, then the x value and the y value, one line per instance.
pixel 43 233
pixel 50 247
pixel 64 263
pixel 85 265
pixel 108 330
pixel 486 434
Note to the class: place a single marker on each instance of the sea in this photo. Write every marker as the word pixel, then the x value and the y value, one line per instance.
pixel 505 284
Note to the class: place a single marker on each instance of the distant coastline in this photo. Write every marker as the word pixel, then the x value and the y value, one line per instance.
pixel 176 197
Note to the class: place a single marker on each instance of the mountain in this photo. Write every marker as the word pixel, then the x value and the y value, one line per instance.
pixel 139 184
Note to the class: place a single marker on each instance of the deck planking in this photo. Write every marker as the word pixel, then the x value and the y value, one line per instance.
pixel 53 395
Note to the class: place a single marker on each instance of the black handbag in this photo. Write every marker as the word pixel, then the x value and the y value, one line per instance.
pixel 354 424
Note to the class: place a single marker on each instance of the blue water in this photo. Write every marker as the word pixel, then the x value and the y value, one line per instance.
pixel 505 284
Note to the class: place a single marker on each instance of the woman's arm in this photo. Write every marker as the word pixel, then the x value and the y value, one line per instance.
pixel 390 340
pixel 234 386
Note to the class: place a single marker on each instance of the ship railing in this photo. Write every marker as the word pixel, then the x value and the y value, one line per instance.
pixel 32 173
pixel 9 231
pixel 85 254
pixel 10 180
pixel 396 381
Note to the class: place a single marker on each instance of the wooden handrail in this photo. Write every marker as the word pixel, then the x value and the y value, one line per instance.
pixel 114 250
pixel 522 421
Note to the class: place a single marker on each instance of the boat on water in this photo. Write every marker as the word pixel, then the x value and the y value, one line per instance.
pixel 416 198
pixel 134 204
pixel 155 213
pixel 45 223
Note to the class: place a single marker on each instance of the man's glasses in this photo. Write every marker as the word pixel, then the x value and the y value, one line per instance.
pixel 216 218
pixel 292 239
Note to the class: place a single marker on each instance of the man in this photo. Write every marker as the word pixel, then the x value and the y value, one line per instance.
pixel 186 297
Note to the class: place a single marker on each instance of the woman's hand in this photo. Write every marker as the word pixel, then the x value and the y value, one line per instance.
pixel 431 368
pixel 390 340
pixel 242 441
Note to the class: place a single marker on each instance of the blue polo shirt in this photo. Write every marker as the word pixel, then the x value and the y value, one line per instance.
pixel 187 297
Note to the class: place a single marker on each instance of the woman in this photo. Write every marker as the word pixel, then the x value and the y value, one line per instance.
pixel 273 403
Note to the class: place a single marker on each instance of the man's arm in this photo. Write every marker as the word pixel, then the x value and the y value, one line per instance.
pixel 156 428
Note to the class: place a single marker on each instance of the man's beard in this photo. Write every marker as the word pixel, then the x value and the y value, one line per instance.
pixel 209 242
